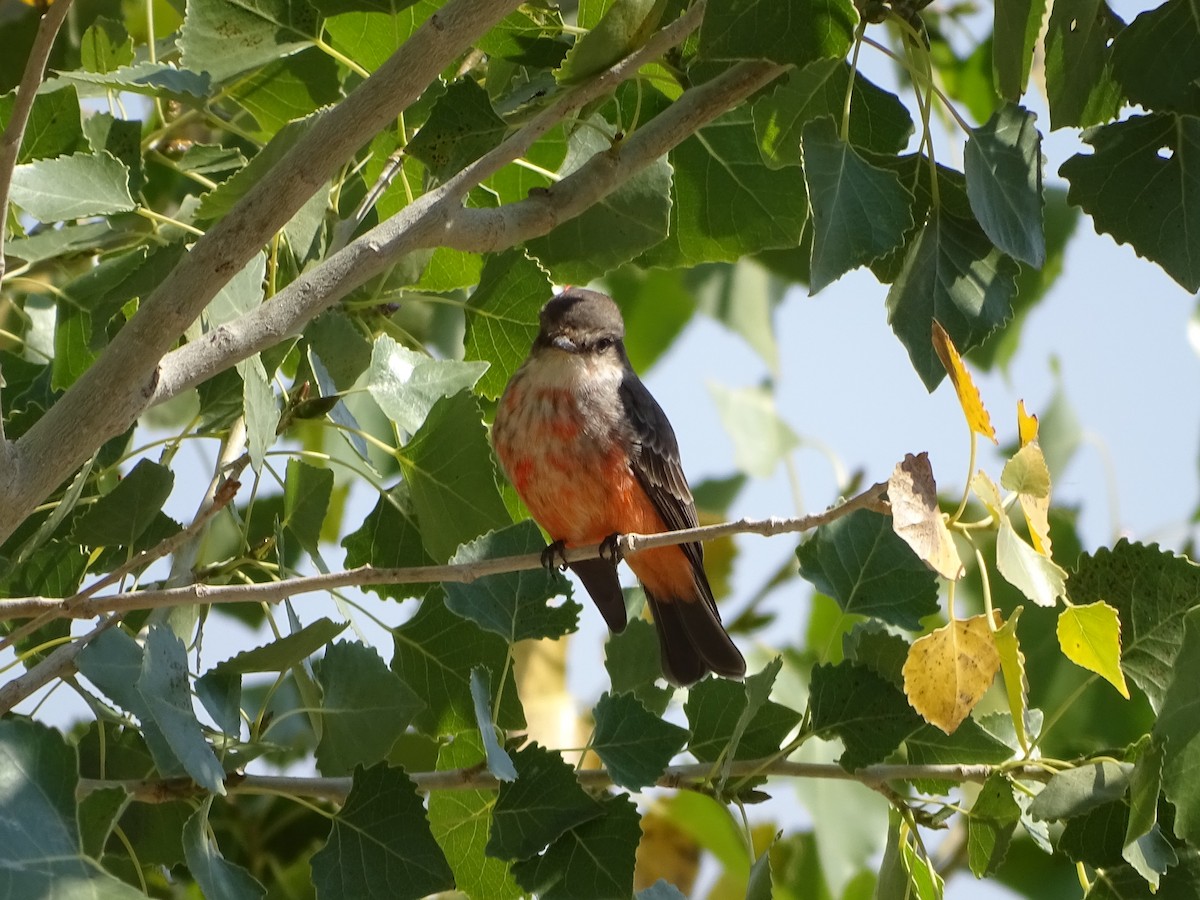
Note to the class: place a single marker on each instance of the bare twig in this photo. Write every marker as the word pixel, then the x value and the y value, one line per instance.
pixel 460 573
pixel 476 778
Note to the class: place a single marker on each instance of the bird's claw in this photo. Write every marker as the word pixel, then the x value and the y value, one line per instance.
pixel 554 557
pixel 610 548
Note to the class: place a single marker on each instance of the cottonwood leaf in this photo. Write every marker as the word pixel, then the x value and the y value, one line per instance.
pixel 502 316
pixel 791 32
pixel 1038 577
pixel 761 438
pixel 634 744
pixel 1090 636
pixel 407 384
pixel 154 79
pixel 949 670
pixel 859 213
pixel 539 807
pixel 380 843
pixel 121 516
pixel 260 409
pixel 1015 28
pixel 867 569
pixel 1026 472
pixel 72 187
pixel 1016 684
pixel 623 28
pixel 284 652
pixel 499 763
pixel 863 709
pixel 969 399
pixel 917 519
pixel 1079 81
pixel 1178 727
pixel 227 37
pixel 1141 185
pixel 306 493
pixel 461 128
pixel 1074 792
pixel 390 537
pixel 215 875
pixel 1157 58
pixel 52 129
pixel 990 825
pixel 1003 165
pixel 714 710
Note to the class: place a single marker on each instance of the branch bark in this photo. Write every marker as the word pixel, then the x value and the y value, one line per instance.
pixel 86 606
pixel 111 394
pixel 475 778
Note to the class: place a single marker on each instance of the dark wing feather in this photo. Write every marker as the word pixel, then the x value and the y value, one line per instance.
pixel 655 457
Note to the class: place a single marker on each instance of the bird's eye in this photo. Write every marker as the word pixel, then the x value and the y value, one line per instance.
pixel 603 344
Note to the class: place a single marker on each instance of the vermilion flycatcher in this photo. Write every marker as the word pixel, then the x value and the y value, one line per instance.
pixel 592 455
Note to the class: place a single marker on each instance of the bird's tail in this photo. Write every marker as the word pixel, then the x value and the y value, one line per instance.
pixel 692 639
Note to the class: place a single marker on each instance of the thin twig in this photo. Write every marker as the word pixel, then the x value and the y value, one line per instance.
pixel 460 573
pixel 476 778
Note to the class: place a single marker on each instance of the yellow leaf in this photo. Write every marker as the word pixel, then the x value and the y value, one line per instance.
pixel 1016 685
pixel 1090 637
pixel 917 519
pixel 989 495
pixel 1037 517
pixel 1026 472
pixel 968 395
pixel 949 670
pixel 1036 576
pixel 1027 425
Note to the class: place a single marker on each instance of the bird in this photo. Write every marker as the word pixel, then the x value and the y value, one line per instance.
pixel 592 455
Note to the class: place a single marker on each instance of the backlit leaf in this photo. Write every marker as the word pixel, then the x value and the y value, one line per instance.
pixel 950 669
pixel 917 519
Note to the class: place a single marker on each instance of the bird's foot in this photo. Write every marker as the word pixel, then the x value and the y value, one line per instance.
pixel 610 548
pixel 554 557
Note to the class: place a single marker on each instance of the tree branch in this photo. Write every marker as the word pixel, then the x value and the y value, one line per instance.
pixel 476 778
pixel 460 573
pixel 432 219
pixel 113 392
pixel 14 136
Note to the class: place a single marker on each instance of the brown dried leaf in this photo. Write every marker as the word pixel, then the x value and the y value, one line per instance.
pixel 917 519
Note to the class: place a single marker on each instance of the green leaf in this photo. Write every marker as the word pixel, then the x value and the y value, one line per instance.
pixel 1157 58
pixel 288 88
pixel 260 409
pixel 633 664
pixel 1003 165
pixel 990 826
pixel 375 30
pixel 970 743
pixel 121 139
pixel 859 213
pixel 499 763
pixel 72 187
pixel 285 652
pixel 860 562
pixel 380 843
pixel 105 46
pixel 878 120
pixel 65 241
pixel 389 537
pixel 623 28
pixel 215 875
pixel 1152 856
pixel 512 604
pixel 634 744
pixel 1152 590
pixel 593 859
pixel 1145 784
pixel 460 129
pixel 791 32
pixel 118 279
pixel 225 38
pixel 366 707
pixel 952 273
pixel 119 517
pixel 726 204
pixel 714 709
pixel 502 316
pixel 539 807
pixel 868 713
pixel 1090 636
pixel 98 813
pixel 1126 883
pixel 761 439
pixel 434 654
pixel 1178 726
pixel 927 884
pixel 1142 186
pixel 218 202
pixel 1038 577
pixel 220 692
pixel 163 685
pixel 611 232
pixel 155 79
pixel 656 304
pixel 407 384
pixel 53 127
pixel 306 493
pixel 1079 79
pixel 459 820
pixel 449 468
pixel 1015 27
pixel 1076 791
pixel 39 845
pixel 1095 837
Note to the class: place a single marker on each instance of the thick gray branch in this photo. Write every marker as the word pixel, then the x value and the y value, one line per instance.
pixel 110 396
